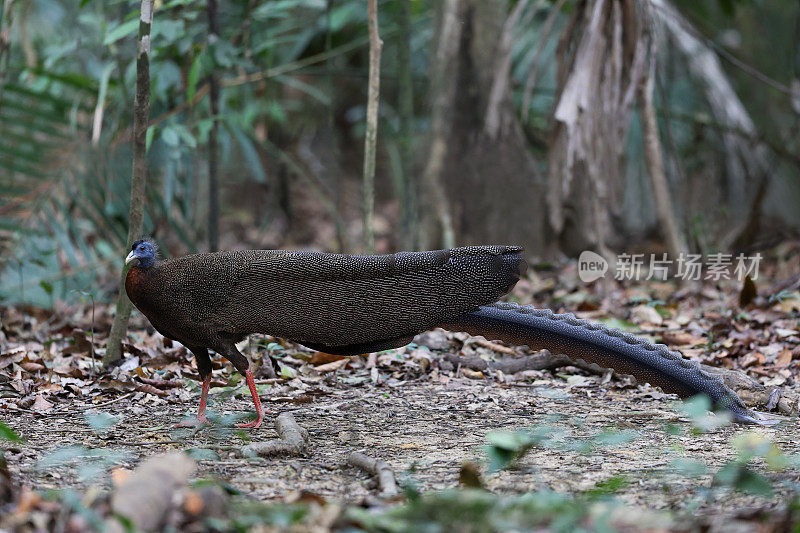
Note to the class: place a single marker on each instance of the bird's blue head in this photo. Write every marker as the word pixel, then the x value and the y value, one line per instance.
pixel 144 251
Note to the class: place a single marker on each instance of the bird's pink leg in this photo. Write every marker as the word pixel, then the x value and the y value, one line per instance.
pixel 201 412
pixel 256 402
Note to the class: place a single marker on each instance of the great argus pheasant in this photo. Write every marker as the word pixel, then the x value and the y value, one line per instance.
pixel 354 304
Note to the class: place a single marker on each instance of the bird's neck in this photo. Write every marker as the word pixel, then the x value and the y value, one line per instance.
pixel 136 283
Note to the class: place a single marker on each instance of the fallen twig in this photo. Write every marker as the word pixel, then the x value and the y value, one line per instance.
pixel 387 486
pixel 161 383
pixel 293 440
pixel 542 360
pixel 104 404
pixel 495 347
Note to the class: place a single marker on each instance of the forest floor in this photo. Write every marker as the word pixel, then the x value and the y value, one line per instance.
pixel 600 448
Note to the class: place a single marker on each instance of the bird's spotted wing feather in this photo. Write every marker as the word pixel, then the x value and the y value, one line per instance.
pixel 337 300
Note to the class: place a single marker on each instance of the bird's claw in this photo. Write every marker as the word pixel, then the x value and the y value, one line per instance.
pixel 252 424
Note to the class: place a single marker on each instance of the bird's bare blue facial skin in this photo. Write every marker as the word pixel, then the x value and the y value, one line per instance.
pixel 144 251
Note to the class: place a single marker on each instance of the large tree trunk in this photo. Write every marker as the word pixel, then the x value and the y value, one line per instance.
pixel 601 62
pixel 490 179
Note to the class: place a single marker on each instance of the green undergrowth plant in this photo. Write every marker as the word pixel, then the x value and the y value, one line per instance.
pixel 8 435
pixel 90 464
pixel 754 453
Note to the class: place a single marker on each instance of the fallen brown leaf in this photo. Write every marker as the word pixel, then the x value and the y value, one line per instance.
pixel 144 387
pixel 682 338
pixel 332 366
pixel 784 358
pixel 41 405
pixel 646 313
pixel 321 358
pixel 751 359
pixel 28 500
pixel 119 476
pixel 32 367
pixel 471 374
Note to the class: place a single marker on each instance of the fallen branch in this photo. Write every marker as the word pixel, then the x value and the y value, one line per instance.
pixel 387 486
pixel 293 440
pixel 753 392
pixel 494 346
pixel 149 389
pixel 542 360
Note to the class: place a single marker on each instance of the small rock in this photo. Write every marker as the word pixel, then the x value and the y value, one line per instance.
pixel 152 487
pixel 435 339
pixel 645 313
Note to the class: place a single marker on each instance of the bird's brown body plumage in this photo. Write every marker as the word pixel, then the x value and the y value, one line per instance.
pixel 214 300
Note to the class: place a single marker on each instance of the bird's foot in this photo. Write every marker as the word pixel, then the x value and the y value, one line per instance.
pixel 253 424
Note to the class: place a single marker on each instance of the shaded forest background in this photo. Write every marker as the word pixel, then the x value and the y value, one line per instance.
pixel 564 125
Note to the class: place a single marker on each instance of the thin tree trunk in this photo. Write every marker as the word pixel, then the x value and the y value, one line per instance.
pixel 500 83
pixel 28 50
pixel 213 183
pixel 441 104
pixel 433 173
pixel 5 44
pixel 141 113
pixel 370 140
pixel 655 167
pixel 333 167
pixel 410 214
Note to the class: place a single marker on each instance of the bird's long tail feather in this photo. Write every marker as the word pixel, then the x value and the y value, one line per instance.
pixel 609 348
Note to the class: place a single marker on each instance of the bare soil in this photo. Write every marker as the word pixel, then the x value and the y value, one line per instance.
pixel 425 427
